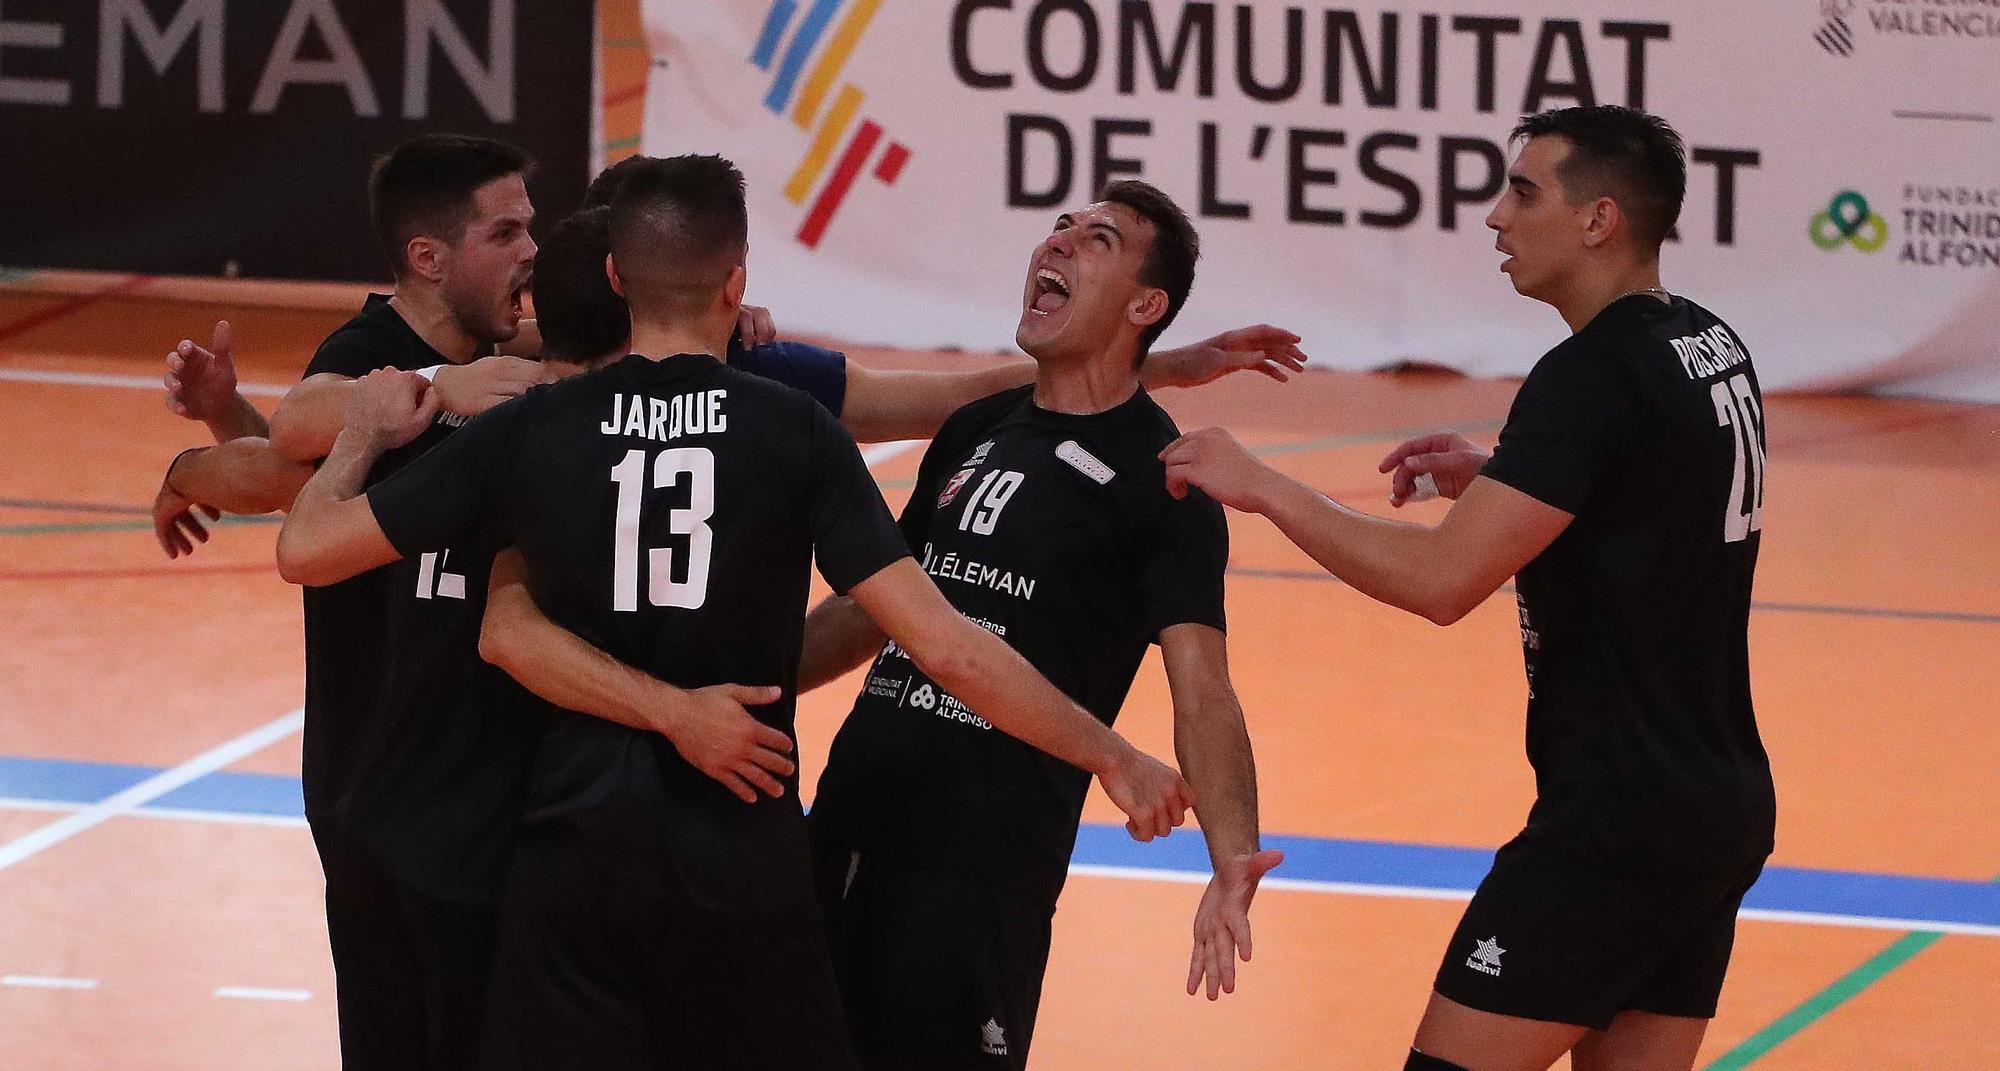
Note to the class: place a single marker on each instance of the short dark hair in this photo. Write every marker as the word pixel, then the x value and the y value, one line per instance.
pixel 1169 264
pixel 605 186
pixel 678 228
pixel 1630 156
pixel 581 317
pixel 425 186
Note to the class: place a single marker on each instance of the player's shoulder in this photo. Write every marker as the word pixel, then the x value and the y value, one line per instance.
pixel 978 416
pixel 373 337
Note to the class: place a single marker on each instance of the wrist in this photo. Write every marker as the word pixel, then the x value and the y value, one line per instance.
pixel 365 442
pixel 659 706
pixel 1269 493
pixel 176 464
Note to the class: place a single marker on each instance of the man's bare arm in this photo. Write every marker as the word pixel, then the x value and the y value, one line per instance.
pixel 1213 745
pixel 304 427
pixel 708 726
pixel 1000 685
pixel 244 475
pixel 883 406
pixel 839 636
pixel 332 532
pixel 1210 738
pixel 1439 573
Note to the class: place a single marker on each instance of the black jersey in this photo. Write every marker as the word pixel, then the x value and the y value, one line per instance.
pixel 1648 426
pixel 668 512
pixel 409 735
pixel 1056 533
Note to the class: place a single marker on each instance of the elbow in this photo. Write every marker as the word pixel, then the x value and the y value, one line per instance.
pixel 1446 606
pixel 288 439
pixel 497 636
pixel 299 564
pixel 952 663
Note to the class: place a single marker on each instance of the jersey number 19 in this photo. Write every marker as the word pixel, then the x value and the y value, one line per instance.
pixel 695 464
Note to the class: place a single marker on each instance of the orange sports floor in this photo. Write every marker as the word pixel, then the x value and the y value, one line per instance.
pixel 1874 672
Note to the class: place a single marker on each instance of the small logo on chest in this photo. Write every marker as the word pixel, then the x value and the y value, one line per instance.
pixel 1083 461
pixel 953 486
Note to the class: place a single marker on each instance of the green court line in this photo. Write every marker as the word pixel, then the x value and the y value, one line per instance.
pixel 622 143
pixel 625 42
pixel 1309 446
pixel 119 526
pixel 1822 1003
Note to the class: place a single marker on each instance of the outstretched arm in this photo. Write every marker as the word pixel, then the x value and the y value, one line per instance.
pixel 884 406
pixel 1439 573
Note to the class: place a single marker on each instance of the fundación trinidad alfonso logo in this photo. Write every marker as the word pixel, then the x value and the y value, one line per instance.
pixel 785 47
pixel 1848 220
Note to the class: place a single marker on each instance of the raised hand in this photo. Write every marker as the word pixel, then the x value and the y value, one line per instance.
pixel 755 326
pixel 201 381
pixel 1273 351
pixel 1222 922
pixel 1449 459
pixel 1213 461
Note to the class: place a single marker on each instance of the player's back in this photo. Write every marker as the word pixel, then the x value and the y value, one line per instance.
pixel 1648 425
pixel 668 513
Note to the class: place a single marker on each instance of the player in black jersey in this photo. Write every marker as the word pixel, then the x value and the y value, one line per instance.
pixel 941 846
pixel 1627 493
pixel 636 873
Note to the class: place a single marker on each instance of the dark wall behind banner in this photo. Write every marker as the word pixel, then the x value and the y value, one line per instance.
pixel 177 136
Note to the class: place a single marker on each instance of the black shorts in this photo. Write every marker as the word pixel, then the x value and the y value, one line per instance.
pixel 940 970
pixel 409 969
pixel 1551 937
pixel 609 960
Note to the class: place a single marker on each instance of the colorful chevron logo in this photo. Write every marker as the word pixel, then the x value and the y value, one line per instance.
pixel 802 94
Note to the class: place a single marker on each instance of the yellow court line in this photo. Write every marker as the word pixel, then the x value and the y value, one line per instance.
pixel 832 60
pixel 844 107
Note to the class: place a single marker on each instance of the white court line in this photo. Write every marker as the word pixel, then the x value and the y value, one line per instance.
pixel 248 992
pixel 1411 892
pixel 152 788
pixel 881 452
pixel 92 379
pixel 42 981
pixel 178 814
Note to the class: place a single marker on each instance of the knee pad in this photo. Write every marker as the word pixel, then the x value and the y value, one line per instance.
pixel 1419 1062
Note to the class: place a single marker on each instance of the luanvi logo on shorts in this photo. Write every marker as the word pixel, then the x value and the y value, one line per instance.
pixel 1485 957
pixel 992 1039
pixel 1847 220
pixel 808 98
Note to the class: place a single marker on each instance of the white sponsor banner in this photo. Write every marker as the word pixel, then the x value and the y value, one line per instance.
pixel 905 156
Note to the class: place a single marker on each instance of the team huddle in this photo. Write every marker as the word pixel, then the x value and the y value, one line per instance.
pixel 557 625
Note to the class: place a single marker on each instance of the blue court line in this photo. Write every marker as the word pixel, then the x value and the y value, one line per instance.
pixel 1885 612
pixel 803 42
pixel 1438 870
pixel 774 28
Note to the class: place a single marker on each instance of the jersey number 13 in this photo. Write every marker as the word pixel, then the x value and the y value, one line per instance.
pixel 696 466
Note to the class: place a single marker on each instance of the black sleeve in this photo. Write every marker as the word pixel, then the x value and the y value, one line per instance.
pixel 1182 558
pixel 458 488
pixel 854 537
pixel 348 352
pixel 1575 418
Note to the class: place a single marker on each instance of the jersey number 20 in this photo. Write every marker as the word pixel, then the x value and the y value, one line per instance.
pixel 691 463
pixel 1736 409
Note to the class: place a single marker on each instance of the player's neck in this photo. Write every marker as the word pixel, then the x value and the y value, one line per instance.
pixel 1089 385
pixel 1590 296
pixel 427 314
pixel 659 341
